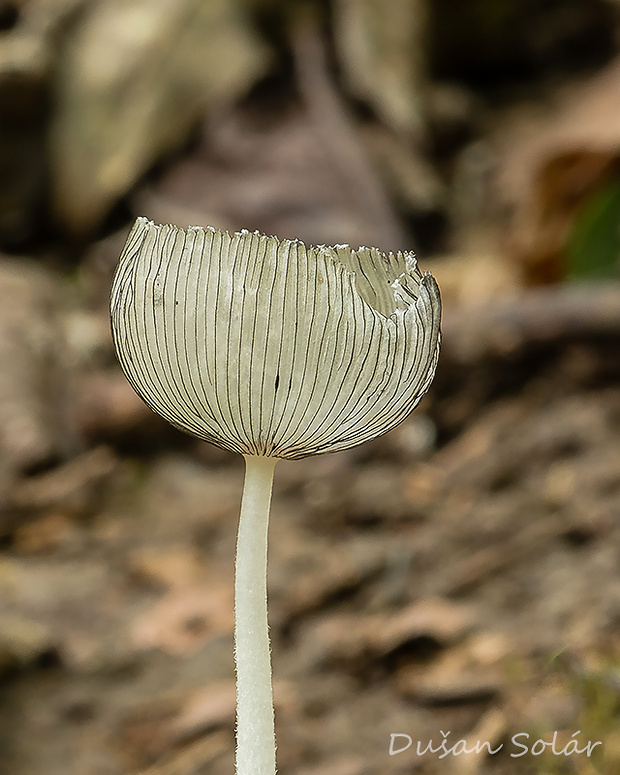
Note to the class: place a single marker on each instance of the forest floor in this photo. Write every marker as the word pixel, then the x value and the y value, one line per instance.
pixel 454 580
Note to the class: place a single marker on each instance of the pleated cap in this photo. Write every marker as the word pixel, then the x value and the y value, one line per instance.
pixel 267 347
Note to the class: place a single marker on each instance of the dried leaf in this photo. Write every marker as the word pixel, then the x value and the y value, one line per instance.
pixel 135 78
pixel 382 55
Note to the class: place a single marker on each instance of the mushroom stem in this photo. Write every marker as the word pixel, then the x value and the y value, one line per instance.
pixel 256 745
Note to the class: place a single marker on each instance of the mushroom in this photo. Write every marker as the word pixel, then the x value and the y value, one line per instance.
pixel 272 350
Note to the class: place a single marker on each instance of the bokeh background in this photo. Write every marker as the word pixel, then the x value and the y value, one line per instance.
pixel 461 574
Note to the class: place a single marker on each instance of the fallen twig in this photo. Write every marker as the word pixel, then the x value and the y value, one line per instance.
pixel 536 316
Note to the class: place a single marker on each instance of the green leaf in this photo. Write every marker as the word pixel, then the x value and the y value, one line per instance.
pixel 593 249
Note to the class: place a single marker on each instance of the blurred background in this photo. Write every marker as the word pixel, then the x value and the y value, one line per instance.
pixel 461 573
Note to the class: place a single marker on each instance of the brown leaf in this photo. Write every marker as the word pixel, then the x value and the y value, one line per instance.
pixel 552 162
pixel 187 618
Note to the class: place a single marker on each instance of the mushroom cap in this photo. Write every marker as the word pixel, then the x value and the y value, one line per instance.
pixel 266 347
